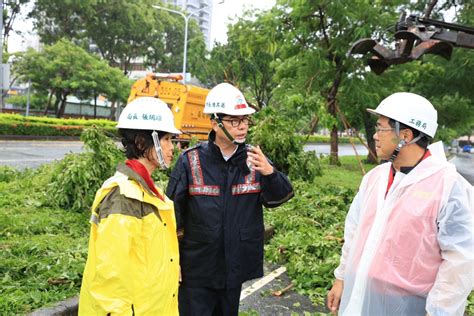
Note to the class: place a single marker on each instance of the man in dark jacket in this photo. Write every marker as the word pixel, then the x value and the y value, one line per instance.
pixel 218 189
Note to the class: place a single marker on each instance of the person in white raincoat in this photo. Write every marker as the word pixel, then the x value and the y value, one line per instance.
pixel 408 239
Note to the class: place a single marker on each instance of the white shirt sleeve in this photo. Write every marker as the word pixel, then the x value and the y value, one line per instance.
pixel 350 228
pixel 455 278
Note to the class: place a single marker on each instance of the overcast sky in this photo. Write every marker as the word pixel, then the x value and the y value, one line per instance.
pixel 220 18
pixel 229 9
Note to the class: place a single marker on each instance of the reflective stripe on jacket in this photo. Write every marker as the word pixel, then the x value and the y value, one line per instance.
pixel 219 204
pixel 410 252
pixel 133 258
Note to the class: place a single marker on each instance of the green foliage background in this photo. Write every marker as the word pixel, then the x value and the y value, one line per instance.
pixel 42 248
pixel 77 177
pixel 275 136
pixel 37 101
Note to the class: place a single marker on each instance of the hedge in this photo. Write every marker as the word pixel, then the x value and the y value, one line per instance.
pixel 327 139
pixel 17 118
pixel 14 124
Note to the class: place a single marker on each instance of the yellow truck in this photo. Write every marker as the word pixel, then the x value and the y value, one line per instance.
pixel 185 101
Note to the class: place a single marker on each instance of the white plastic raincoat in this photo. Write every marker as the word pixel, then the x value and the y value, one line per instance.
pixel 409 252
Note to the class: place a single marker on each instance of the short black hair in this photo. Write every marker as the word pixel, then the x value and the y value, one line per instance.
pixel 218 115
pixel 423 142
pixel 136 143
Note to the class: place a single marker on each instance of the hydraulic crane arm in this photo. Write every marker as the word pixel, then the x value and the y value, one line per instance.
pixel 415 36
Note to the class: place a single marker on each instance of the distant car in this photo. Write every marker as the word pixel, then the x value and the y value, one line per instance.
pixel 467 149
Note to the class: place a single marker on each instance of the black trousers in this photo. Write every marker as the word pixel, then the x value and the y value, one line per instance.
pixel 198 301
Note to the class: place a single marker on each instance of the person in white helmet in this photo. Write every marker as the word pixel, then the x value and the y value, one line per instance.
pixel 133 259
pixel 218 201
pixel 408 239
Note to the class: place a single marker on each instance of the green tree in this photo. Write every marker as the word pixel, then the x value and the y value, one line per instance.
pixel 254 41
pixel 312 68
pixel 11 9
pixel 37 100
pixel 295 55
pixel 121 31
pixel 54 20
pixel 446 83
pixel 317 36
pixel 220 67
pixel 246 59
pixel 65 69
pixel 165 49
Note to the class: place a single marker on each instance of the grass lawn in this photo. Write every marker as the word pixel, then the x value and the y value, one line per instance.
pixel 43 250
pixel 348 174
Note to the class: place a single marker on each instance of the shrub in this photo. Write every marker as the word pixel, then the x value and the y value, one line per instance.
pixel 304 166
pixel 7 174
pixel 309 236
pixel 77 177
pixel 37 101
pixel 276 136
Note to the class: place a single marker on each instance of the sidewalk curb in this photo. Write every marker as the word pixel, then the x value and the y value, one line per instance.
pixel 68 307
pixel 34 137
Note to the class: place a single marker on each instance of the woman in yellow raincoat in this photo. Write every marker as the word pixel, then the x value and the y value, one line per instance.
pixel 133 261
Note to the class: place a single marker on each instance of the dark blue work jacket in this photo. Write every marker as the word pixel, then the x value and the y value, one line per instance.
pixel 219 205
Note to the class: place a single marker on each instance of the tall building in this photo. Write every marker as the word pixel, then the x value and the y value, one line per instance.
pixel 203 17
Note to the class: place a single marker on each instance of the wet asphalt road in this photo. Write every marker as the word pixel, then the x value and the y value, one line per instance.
pixel 277 297
pixel 32 154
pixel 465 165
pixel 22 154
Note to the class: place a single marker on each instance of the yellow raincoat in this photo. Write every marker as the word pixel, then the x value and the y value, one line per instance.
pixel 133 261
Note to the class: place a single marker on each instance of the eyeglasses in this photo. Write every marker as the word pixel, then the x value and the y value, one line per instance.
pixel 236 122
pixel 379 129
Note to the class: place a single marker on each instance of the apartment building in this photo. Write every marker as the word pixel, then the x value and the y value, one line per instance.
pixel 203 17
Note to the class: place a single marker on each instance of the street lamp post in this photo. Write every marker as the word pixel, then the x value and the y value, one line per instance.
pixel 186 21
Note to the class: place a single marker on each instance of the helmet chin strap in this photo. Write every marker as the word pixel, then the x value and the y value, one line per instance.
pixel 226 132
pixel 402 142
pixel 159 151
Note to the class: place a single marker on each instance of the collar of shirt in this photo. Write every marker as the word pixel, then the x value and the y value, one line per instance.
pixel 404 170
pixel 228 157
pixel 238 156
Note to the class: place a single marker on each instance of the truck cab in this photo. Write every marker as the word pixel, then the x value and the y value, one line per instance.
pixel 185 101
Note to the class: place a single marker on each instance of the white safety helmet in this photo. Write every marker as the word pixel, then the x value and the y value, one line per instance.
pixel 226 99
pixel 409 109
pixel 147 113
